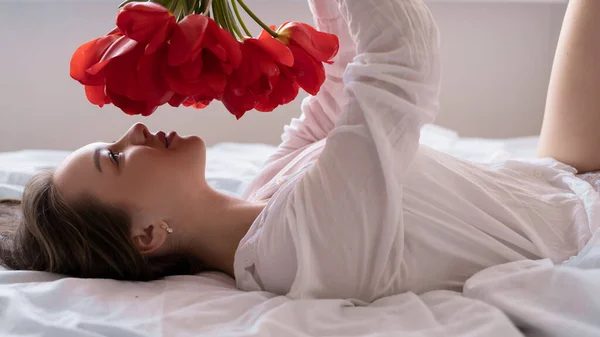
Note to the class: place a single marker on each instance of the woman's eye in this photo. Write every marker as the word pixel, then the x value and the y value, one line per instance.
pixel 114 157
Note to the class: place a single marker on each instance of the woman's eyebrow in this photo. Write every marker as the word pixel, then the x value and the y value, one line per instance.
pixel 97 158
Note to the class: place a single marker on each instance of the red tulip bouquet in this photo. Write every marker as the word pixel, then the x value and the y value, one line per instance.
pixel 191 52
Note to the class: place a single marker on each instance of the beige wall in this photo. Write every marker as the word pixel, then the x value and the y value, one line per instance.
pixel 496 58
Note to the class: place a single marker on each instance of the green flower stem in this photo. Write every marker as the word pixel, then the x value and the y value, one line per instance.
pixel 191 5
pixel 256 19
pixel 223 16
pixel 183 9
pixel 125 3
pixel 204 7
pixel 221 11
pixel 180 10
pixel 218 12
pixel 215 12
pixel 194 5
pixel 231 19
pixel 172 6
pixel 239 17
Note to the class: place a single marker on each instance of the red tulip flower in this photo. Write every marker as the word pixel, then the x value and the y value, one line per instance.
pixel 310 49
pixel 285 90
pixel 309 72
pixel 133 83
pixel 88 55
pixel 119 70
pixel 154 57
pixel 320 45
pixel 200 58
pixel 146 22
pixel 129 79
pixel 257 75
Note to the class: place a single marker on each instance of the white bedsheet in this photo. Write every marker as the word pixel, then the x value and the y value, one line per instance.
pixel 209 305
pixel 542 299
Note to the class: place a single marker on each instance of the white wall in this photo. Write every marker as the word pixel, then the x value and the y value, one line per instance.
pixel 496 57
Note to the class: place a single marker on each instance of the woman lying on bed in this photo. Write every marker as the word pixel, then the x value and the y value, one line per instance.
pixel 350 206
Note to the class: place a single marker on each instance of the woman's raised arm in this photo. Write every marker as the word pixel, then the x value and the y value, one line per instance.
pixel 320 112
pixel 346 214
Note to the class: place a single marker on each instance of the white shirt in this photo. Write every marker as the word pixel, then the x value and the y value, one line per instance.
pixel 359 210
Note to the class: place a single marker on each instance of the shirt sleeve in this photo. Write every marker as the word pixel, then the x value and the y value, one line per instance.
pixel 346 213
pixel 320 112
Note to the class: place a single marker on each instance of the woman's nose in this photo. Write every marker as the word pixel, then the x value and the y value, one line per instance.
pixel 137 134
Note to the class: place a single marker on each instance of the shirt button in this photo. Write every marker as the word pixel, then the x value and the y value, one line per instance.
pixel 538 173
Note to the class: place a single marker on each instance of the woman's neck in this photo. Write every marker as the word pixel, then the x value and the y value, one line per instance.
pixel 220 223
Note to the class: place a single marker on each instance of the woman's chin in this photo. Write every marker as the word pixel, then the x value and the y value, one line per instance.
pixel 195 142
pixel 185 143
pixel 194 147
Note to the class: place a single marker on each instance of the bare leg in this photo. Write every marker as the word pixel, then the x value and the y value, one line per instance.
pixel 571 129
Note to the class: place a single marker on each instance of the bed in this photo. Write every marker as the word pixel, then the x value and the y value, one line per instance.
pixel 525 298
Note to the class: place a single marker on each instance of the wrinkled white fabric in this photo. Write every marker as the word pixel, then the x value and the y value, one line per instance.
pixel 47 305
pixel 359 210
pixel 543 299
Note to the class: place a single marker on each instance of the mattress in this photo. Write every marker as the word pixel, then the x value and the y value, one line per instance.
pixel 533 298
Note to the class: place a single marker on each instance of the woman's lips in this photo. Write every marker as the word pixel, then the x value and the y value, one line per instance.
pixel 162 138
pixel 171 137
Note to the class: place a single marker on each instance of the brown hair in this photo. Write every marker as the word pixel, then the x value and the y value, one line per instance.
pixel 86 239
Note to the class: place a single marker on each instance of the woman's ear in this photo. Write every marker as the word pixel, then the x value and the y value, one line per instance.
pixel 149 239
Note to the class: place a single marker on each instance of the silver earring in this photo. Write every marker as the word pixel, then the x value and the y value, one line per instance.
pixel 167 228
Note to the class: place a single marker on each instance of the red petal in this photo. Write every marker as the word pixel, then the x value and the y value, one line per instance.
pixel 149 7
pixel 87 56
pixel 159 39
pixel 121 75
pixel 238 103
pixel 192 69
pixel 266 105
pixel 276 49
pixel 212 41
pixel 219 52
pixel 176 100
pixel 211 82
pixel 131 107
pixel 269 75
pixel 96 95
pixel 141 21
pixel 232 46
pixel 120 47
pixel 284 92
pixel 138 77
pixel 252 81
pixel 264 34
pixel 187 38
pixel 115 30
pixel 309 72
pixel 149 77
pixel 248 73
pixel 287 88
pixel 320 45
pixel 166 98
pixel 196 102
pixel 263 86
